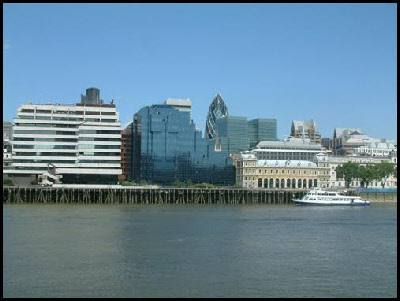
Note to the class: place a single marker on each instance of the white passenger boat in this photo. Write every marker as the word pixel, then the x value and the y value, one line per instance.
pixel 320 197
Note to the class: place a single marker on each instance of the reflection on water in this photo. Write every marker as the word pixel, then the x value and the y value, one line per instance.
pixel 199 251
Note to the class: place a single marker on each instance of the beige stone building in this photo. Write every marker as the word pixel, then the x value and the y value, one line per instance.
pixel 282 174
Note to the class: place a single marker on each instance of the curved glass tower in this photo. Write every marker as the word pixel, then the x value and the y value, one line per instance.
pixel 217 109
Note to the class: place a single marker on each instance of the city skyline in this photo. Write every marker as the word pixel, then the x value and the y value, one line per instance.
pixel 325 62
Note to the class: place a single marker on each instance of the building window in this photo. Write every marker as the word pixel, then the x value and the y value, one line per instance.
pixel 299 183
pixel 282 183
pixel 310 183
pixel 304 183
pixel 293 183
pixel 265 183
pixel 288 183
pixel 277 183
pixel 271 183
pixel 259 182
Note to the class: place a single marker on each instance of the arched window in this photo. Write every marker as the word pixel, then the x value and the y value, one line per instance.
pixel 309 183
pixel 265 183
pixel 288 183
pixel 299 183
pixel 282 183
pixel 315 183
pixel 271 183
pixel 259 182
pixel 293 183
pixel 277 183
pixel 304 183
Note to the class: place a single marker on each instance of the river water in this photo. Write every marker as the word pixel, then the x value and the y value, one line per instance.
pixel 75 250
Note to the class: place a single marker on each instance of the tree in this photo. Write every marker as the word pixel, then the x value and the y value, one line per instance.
pixel 384 171
pixel 348 172
pixel 7 182
pixel 367 174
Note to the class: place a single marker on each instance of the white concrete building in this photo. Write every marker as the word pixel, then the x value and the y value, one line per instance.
pixel 379 148
pixel 67 143
pixel 332 162
pixel 288 149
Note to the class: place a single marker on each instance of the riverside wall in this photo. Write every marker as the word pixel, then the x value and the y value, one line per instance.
pixel 133 195
pixel 158 195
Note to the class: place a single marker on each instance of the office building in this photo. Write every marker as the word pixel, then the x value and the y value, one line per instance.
pixel 166 147
pixel 305 129
pixel 261 129
pixel 216 110
pixel 231 134
pixel 67 143
pixel 7 130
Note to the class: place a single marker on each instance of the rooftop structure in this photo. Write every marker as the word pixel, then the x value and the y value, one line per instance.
pixel 289 149
pixel 184 105
pixel 92 97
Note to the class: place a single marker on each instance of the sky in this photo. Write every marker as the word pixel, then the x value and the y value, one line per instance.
pixel 332 63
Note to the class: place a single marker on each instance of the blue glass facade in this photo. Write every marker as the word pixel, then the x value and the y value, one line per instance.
pixel 166 147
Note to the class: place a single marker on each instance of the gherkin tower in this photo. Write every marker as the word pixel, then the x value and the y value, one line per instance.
pixel 217 110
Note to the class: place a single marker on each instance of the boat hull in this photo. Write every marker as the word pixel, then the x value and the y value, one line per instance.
pixel 330 203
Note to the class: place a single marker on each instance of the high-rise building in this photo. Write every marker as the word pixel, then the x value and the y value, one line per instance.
pixel 305 129
pixel 261 129
pixel 92 97
pixel 67 143
pixel 231 134
pixel 7 130
pixel 216 110
pixel 166 147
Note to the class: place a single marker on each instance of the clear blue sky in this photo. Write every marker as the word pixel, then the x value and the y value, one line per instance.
pixel 334 63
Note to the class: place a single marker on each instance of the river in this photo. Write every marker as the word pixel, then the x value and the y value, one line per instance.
pixel 282 251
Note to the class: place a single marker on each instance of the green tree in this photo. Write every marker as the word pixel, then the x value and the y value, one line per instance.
pixel 7 182
pixel 348 172
pixel 384 171
pixel 367 174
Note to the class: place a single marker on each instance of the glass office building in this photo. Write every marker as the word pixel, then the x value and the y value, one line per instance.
pixel 231 134
pixel 166 147
pixel 261 129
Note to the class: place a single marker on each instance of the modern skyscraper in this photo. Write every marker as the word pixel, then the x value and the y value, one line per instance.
pixel 166 147
pixel 261 129
pixel 231 134
pixel 216 110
